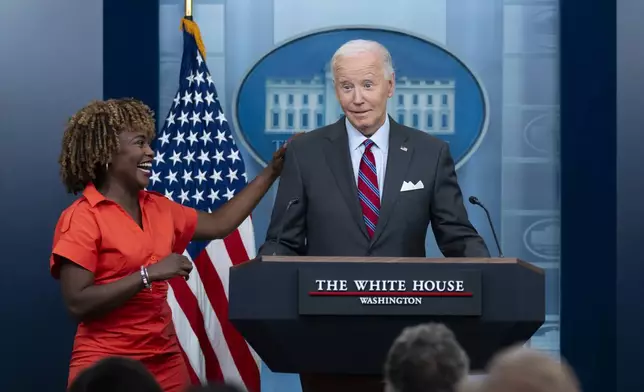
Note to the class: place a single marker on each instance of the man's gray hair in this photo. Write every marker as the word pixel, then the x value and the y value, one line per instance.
pixel 358 46
pixel 425 358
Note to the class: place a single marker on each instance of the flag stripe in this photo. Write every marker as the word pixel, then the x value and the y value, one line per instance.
pixel 214 329
pixel 188 341
pixel 218 253
pixel 194 379
pixel 235 248
pixel 216 294
pixel 188 303
pixel 197 164
pixel 248 237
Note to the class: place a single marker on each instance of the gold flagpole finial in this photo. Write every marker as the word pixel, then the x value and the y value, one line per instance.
pixel 189 8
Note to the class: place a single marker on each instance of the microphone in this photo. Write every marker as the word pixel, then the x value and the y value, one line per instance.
pixel 474 200
pixel 291 202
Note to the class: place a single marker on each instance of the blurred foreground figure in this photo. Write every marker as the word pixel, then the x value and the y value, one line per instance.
pixel 115 374
pixel 526 370
pixel 425 358
pixel 215 387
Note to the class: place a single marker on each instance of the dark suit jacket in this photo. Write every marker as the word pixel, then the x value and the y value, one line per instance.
pixel 327 219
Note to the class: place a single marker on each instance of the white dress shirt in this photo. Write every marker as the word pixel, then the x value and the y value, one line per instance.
pixel 380 150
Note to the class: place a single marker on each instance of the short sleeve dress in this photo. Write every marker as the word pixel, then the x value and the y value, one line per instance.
pixel 98 235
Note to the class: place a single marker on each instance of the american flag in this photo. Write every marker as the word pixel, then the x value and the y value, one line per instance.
pixel 197 163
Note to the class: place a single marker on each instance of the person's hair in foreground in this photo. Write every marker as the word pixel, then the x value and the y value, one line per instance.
pixel 214 387
pixel 522 369
pixel 425 358
pixel 114 374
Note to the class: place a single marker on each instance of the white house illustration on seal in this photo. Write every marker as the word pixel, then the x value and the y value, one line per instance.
pixel 297 104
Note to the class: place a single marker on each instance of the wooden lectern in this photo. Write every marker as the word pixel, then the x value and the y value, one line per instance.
pixel 333 319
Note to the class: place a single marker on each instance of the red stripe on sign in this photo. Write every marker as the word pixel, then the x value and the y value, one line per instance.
pixel 388 294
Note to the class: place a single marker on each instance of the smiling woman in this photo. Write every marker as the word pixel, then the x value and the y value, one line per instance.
pixel 90 141
pixel 116 246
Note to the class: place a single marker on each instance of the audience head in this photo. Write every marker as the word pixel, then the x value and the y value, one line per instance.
pixel 425 358
pixel 526 370
pixel 214 387
pixel 469 385
pixel 115 374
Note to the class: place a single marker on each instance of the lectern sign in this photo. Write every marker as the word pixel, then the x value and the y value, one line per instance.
pixel 372 290
pixel 390 292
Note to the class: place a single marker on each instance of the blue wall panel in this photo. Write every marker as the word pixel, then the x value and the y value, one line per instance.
pixel 588 191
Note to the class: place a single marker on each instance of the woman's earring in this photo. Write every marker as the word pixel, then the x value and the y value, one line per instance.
pixel 107 166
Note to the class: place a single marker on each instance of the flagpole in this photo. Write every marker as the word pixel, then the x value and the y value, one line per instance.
pixel 189 26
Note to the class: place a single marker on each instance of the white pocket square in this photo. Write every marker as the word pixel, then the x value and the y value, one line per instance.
pixel 410 186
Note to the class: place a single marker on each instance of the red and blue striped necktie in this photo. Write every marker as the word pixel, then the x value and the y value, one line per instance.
pixel 368 191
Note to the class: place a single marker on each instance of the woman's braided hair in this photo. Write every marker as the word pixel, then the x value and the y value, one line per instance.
pixel 91 138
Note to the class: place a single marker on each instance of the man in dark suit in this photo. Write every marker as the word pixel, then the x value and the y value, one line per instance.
pixel 366 185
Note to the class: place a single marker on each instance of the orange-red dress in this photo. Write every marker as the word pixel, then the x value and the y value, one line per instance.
pixel 100 236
